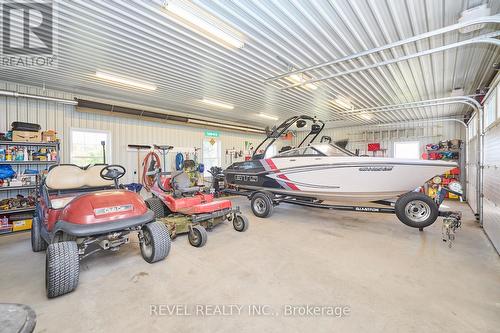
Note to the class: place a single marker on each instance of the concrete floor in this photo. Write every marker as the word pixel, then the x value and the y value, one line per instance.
pixel 390 277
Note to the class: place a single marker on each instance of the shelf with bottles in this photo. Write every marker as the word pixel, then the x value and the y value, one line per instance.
pixel 23 154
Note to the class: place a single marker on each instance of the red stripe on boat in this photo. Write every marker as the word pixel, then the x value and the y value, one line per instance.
pixel 291 185
pixel 282 176
pixel 271 164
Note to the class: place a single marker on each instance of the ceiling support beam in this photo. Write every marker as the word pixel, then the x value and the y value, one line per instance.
pixel 488 38
pixel 483 20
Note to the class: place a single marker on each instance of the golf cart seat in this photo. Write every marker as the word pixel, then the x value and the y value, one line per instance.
pixel 182 185
pixel 72 178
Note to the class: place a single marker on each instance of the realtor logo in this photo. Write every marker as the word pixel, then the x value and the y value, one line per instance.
pixel 28 34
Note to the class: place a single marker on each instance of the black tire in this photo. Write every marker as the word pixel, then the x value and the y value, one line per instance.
pixel 62 268
pixel 155 244
pixel 240 223
pixel 416 210
pixel 262 205
pixel 197 236
pixel 37 242
pixel 157 206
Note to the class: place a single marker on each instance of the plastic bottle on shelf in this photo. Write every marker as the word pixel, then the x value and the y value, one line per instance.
pixel 25 154
pixel 53 155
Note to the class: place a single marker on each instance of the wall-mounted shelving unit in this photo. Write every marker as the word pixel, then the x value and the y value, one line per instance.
pixel 5 191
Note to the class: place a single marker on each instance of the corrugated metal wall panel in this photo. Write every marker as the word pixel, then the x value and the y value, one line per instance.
pixel 124 131
pixel 472 174
pixel 491 187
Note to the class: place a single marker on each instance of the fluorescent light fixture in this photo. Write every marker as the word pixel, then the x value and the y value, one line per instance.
pixel 124 81
pixel 473 14
pixel 217 104
pixel 342 102
pixel 299 79
pixel 208 123
pixel 196 19
pixel 263 115
pixel 366 116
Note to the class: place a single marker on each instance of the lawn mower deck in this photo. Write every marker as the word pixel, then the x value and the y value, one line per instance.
pixel 82 211
pixel 185 209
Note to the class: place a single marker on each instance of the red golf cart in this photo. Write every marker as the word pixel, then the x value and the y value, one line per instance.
pixel 82 211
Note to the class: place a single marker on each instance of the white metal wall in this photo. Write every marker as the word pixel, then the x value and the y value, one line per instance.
pixel 472 174
pixel 491 170
pixel 124 131
pixel 360 136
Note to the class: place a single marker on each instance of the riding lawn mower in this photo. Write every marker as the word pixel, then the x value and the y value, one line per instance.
pixel 178 202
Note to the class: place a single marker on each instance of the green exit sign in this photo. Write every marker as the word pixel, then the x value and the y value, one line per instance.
pixel 213 134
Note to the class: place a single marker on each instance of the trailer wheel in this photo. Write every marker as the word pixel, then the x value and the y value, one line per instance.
pixel 240 223
pixel 37 242
pixel 197 236
pixel 416 210
pixel 157 206
pixel 262 205
pixel 155 244
pixel 62 268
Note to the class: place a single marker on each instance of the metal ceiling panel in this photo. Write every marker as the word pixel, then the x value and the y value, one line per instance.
pixel 136 40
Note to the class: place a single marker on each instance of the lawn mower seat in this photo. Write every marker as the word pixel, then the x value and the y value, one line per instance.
pixel 182 185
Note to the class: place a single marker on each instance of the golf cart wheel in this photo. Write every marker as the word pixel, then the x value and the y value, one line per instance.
pixel 416 210
pixel 62 268
pixel 37 242
pixel 197 236
pixel 155 243
pixel 262 205
pixel 240 223
pixel 157 206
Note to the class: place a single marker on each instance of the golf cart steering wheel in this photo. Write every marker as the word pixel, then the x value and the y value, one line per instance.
pixel 113 172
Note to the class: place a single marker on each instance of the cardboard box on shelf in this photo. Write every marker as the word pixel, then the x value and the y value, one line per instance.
pixel 26 136
pixel 21 225
pixel 49 136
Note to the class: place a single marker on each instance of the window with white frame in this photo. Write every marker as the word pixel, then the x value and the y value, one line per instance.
pixel 490 112
pixel 408 150
pixel 212 155
pixel 87 146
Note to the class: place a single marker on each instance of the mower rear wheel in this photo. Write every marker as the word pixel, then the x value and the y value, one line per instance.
pixel 157 206
pixel 155 243
pixel 62 268
pixel 37 242
pixel 240 223
pixel 262 205
pixel 197 236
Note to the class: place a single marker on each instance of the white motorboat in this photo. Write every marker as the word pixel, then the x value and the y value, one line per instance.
pixel 326 171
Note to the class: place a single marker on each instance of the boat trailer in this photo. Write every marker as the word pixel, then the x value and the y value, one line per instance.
pixel 263 202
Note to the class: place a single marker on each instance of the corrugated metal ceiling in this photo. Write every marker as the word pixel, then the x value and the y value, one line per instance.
pixel 134 39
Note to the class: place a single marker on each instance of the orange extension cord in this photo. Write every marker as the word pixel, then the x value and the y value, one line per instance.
pixel 148 181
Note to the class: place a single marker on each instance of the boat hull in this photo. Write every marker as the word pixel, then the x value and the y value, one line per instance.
pixel 340 179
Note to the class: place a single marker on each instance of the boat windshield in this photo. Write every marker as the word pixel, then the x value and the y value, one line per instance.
pixel 323 149
pixel 329 149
